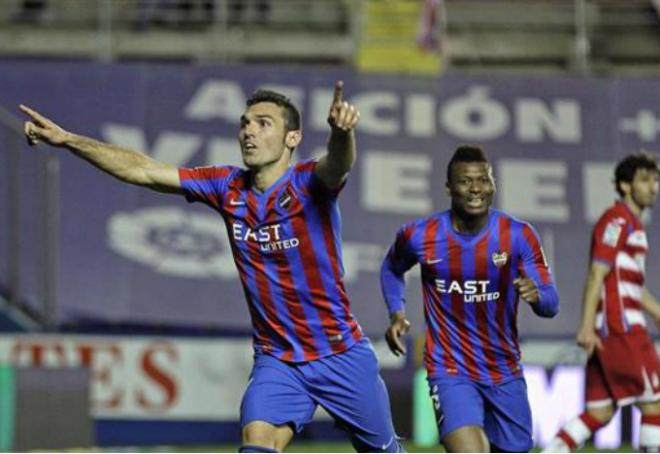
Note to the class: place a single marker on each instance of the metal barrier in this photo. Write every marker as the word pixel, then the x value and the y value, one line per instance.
pixel 534 35
pixel 202 30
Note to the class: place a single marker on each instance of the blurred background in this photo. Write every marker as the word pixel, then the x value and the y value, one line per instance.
pixel 121 309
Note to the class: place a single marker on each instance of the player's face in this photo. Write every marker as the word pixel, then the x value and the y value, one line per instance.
pixel 471 188
pixel 263 135
pixel 644 188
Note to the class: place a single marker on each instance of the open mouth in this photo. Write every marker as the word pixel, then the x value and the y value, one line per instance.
pixel 476 202
pixel 249 147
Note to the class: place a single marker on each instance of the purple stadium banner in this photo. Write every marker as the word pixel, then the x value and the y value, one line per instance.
pixel 127 254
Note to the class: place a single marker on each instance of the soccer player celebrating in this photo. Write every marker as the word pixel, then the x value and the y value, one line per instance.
pixel 623 366
pixel 284 227
pixel 476 262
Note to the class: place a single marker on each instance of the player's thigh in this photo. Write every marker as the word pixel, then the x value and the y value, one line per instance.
pixel 508 417
pixel 597 392
pixel 276 395
pixel 600 403
pixel 354 393
pixel 457 404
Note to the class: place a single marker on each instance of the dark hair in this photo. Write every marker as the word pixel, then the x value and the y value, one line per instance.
pixel 627 168
pixel 291 114
pixel 466 153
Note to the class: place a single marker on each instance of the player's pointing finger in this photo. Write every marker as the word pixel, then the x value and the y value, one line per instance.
pixel 339 92
pixel 32 113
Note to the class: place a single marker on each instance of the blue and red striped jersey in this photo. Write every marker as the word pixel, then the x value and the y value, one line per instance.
pixel 470 302
pixel 286 244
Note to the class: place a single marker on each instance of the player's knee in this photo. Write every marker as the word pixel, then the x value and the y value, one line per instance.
pixel 259 434
pixel 602 414
pixel 467 439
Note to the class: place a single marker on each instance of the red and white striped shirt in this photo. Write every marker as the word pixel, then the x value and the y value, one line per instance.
pixel 619 240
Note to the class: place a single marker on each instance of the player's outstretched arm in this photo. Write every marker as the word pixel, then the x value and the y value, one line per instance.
pixel 334 166
pixel 127 165
pixel 587 338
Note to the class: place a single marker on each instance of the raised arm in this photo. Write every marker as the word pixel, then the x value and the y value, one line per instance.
pixel 334 166
pixel 587 338
pixel 127 165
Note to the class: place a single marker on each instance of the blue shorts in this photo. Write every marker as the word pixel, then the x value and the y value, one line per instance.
pixel 501 410
pixel 347 385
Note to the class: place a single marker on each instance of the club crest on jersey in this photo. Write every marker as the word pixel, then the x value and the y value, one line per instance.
pixel 612 232
pixel 284 201
pixel 500 259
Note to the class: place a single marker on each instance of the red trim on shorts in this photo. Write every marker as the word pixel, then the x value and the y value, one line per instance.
pixel 592 423
pixel 651 419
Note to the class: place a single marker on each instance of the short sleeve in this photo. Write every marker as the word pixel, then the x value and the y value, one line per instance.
pixel 609 235
pixel 205 184
pixel 308 182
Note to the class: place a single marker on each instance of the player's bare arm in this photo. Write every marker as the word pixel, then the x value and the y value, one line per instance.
pixel 127 165
pixel 587 338
pixel 334 166
pixel 651 306
pixel 399 326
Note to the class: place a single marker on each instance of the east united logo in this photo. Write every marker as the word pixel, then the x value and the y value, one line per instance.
pixel 500 259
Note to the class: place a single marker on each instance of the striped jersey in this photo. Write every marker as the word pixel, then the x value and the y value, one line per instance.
pixel 470 303
pixel 619 240
pixel 287 249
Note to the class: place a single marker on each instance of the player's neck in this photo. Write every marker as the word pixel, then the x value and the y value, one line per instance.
pixel 632 206
pixel 264 177
pixel 468 224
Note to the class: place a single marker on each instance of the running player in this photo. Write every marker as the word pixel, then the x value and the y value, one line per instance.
pixel 623 366
pixel 284 226
pixel 476 262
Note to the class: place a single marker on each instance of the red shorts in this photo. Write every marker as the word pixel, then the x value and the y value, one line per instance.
pixel 625 371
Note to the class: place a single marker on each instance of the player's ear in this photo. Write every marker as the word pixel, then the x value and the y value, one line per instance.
pixel 448 188
pixel 293 138
pixel 626 187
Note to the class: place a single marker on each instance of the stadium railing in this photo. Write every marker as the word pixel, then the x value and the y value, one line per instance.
pixel 198 30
